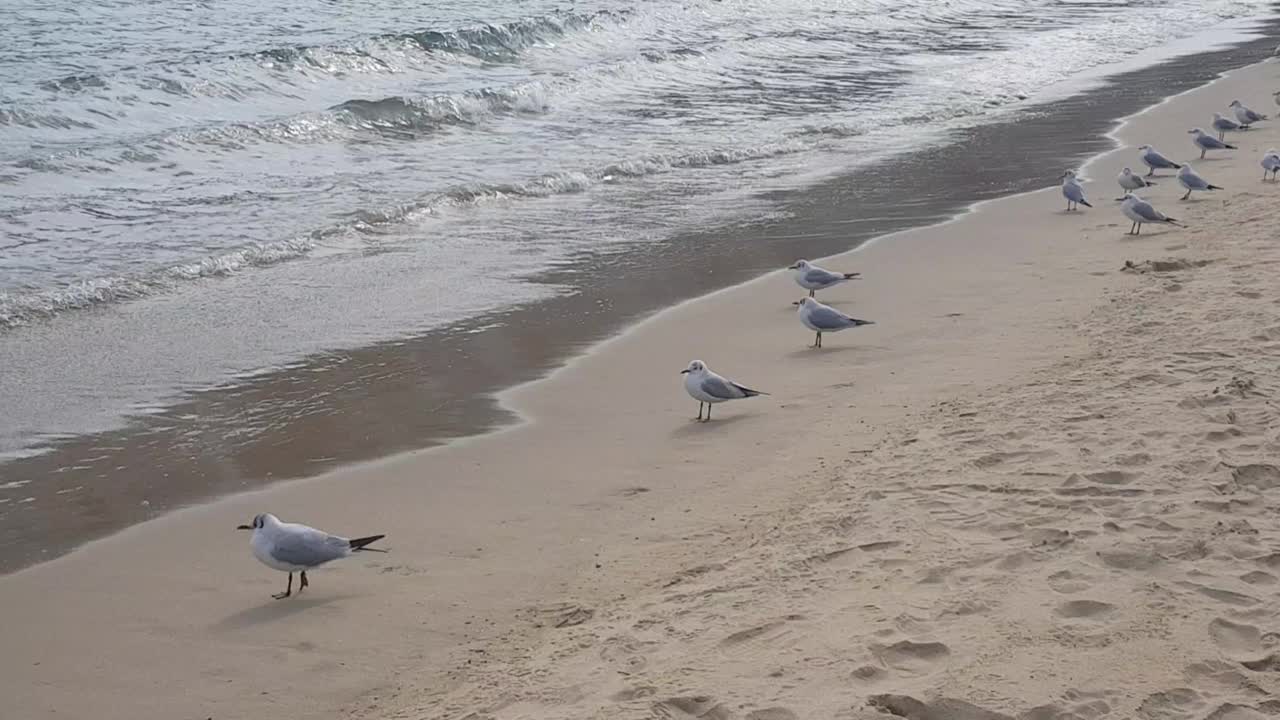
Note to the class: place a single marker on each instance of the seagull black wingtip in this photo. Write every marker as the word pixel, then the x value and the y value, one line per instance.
pixel 360 543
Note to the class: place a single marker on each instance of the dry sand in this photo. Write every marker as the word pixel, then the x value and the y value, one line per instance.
pixel 1038 488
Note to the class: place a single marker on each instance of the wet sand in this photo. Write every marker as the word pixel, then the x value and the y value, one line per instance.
pixel 354 406
pixel 1036 489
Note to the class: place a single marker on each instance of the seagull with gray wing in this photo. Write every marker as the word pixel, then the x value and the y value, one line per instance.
pixel 812 278
pixel 1207 142
pixel 1155 161
pixel 1191 180
pixel 1140 211
pixel 824 318
pixel 1246 116
pixel 1224 125
pixel 1270 164
pixel 289 547
pixel 709 388
pixel 1130 181
pixel 1073 191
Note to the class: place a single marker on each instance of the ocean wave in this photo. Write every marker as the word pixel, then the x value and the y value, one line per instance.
pixel 564 183
pixel 18 309
pixel 500 42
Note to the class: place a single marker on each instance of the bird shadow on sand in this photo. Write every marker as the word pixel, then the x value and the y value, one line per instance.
pixel 274 610
pixel 812 352
pixel 693 428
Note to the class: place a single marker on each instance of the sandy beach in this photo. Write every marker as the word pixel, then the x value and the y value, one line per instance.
pixel 1037 488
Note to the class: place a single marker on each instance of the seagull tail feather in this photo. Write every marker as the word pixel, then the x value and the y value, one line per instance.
pixel 360 543
pixel 1086 203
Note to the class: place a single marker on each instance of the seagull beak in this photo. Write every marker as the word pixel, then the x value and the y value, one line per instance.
pixel 794 267
pixel 684 371
pixel 795 302
pixel 244 527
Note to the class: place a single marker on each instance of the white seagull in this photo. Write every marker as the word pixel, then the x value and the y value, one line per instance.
pixel 1130 181
pixel 1155 161
pixel 1270 164
pixel 709 388
pixel 1246 116
pixel 1224 125
pixel 289 547
pixel 1207 142
pixel 1140 212
pixel 1072 191
pixel 812 278
pixel 824 318
pixel 1191 180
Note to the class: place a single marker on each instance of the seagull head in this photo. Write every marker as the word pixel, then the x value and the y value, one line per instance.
pixel 1217 116
pixel 695 367
pixel 805 301
pixel 259 521
pixel 1195 131
pixel 1144 148
pixel 1235 103
pixel 799 265
pixel 1069 174
pixel 1126 171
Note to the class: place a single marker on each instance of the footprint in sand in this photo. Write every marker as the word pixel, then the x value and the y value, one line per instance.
pixel 1175 704
pixel 701 707
pixel 1068 582
pixel 1259 477
pixel 773 713
pixel 1084 609
pixel 1235 639
pixel 905 706
pixel 915 658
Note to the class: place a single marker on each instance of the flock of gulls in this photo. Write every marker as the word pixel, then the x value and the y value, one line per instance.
pixel 1139 211
pixel 708 388
pixel 294 548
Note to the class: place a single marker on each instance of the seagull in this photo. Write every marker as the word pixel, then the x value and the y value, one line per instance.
pixel 289 547
pixel 1073 192
pixel 1270 164
pixel 1276 96
pixel 1207 142
pixel 1155 161
pixel 709 388
pixel 812 278
pixel 1191 180
pixel 1140 211
pixel 1224 125
pixel 1130 182
pixel 1246 116
pixel 824 318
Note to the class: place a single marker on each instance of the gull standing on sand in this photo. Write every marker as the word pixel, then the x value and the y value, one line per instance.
pixel 1224 125
pixel 1270 164
pixel 1207 142
pixel 1155 161
pixel 1140 211
pixel 824 318
pixel 1130 181
pixel 1191 180
pixel 709 388
pixel 1246 116
pixel 1072 191
pixel 812 278
pixel 289 547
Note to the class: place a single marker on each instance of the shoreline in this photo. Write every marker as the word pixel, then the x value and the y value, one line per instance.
pixel 617 560
pixel 448 373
